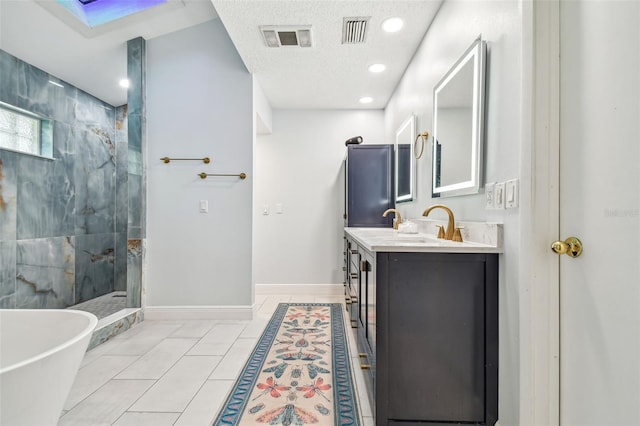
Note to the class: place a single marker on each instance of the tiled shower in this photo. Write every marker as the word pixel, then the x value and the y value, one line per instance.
pixel 71 228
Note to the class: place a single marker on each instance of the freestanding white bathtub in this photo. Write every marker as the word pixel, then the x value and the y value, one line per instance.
pixel 40 354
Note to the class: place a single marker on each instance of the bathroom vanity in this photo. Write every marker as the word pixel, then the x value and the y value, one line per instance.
pixel 426 313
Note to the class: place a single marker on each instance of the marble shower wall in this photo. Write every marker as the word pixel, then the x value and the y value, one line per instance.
pixel 136 138
pixel 63 221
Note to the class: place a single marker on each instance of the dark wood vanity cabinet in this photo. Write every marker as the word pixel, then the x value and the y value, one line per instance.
pixel 428 336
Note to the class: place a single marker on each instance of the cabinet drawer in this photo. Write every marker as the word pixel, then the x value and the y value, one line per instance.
pixel 368 365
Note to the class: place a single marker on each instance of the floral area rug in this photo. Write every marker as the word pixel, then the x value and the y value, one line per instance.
pixel 298 374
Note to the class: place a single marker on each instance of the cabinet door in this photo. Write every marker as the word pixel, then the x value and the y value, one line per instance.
pixel 352 280
pixel 371 302
pixel 369 186
pixel 433 328
pixel 363 278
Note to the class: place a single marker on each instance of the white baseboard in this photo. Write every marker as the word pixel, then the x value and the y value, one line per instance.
pixel 305 289
pixel 199 312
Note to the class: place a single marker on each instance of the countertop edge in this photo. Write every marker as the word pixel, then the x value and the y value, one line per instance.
pixel 466 247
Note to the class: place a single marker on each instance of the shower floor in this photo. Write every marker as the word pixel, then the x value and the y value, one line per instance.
pixel 104 305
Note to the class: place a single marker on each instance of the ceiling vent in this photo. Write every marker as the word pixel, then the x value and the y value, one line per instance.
pixel 354 30
pixel 286 36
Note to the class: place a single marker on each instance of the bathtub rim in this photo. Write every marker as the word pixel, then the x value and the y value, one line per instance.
pixel 88 330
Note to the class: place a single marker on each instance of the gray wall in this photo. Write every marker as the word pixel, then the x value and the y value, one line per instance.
pixel 58 222
pixel 199 103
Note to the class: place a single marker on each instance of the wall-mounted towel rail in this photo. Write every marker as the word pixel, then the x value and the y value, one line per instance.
pixel 204 175
pixel 205 160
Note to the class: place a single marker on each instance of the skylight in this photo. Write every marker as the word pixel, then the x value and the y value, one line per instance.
pixel 97 12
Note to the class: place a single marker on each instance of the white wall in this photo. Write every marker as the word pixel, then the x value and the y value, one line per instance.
pixel 456 26
pixel 199 103
pixel 300 166
pixel 262 108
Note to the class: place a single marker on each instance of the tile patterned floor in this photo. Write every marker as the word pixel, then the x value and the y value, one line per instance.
pixel 175 372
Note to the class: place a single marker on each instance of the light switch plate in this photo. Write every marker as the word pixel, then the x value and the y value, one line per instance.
pixel 265 209
pixel 511 194
pixel 499 195
pixel 204 206
pixel 489 193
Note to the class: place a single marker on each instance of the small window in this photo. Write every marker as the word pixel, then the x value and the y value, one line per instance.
pixel 24 132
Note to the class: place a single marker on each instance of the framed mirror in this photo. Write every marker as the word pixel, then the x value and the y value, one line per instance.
pixel 458 125
pixel 405 165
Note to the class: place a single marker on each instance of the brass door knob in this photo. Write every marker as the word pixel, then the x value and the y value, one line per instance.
pixel 572 247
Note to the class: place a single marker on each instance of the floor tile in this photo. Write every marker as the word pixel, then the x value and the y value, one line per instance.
pixel 368 421
pixel 174 391
pixel 230 366
pixel 96 353
pixel 271 303
pixel 158 360
pixel 151 328
pixel 147 419
pixel 254 328
pixel 107 404
pixel 206 404
pixel 218 340
pixel 194 328
pixel 301 298
pixel 329 299
pixel 96 374
pixel 142 340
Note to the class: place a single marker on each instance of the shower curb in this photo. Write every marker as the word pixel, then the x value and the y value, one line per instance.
pixel 115 324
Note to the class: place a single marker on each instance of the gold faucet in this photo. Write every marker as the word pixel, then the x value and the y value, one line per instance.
pixel 398 217
pixel 448 235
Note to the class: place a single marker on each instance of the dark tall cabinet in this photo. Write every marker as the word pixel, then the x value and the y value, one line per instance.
pixel 369 185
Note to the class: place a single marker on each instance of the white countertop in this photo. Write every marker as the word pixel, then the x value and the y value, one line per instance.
pixel 390 240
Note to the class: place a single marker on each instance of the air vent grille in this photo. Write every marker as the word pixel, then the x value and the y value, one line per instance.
pixel 354 30
pixel 286 36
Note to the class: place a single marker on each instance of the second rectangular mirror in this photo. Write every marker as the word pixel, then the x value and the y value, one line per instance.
pixel 405 161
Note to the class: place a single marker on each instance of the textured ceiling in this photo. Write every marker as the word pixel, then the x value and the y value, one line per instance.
pixel 329 75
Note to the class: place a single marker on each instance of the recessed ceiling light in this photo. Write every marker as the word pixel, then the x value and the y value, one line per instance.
pixel 366 100
pixel 377 67
pixel 124 83
pixel 392 25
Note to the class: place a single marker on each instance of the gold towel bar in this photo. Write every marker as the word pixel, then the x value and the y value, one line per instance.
pixel 204 175
pixel 205 160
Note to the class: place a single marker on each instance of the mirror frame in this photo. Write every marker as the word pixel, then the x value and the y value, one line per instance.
pixel 476 53
pixel 409 125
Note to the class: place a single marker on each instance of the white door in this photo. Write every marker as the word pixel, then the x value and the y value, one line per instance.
pixel 599 204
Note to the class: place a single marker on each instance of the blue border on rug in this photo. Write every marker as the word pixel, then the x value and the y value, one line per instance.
pixel 345 400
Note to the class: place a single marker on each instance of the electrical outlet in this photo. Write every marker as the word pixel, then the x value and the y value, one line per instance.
pixel 489 192
pixel 511 194
pixel 499 195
